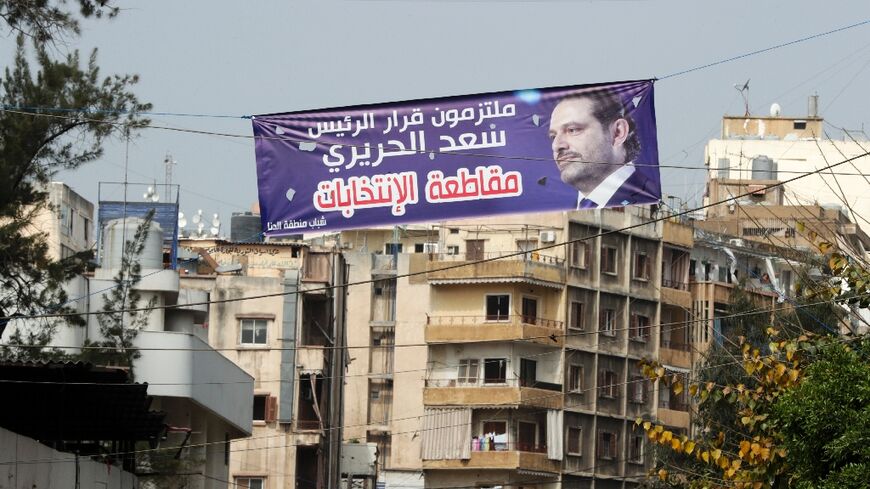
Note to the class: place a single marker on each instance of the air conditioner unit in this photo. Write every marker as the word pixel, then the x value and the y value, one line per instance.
pixel 548 236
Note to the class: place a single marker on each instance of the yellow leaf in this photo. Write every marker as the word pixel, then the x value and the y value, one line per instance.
pixel 660 372
pixel 793 375
pixel 745 446
pixel 678 388
pixel 663 474
pixel 688 447
pixel 647 425
pixel 675 444
pixel 667 436
pixel 745 420
pixel 723 463
pixel 693 390
pixel 730 473
pixel 705 456
pixel 757 485
pixel 652 435
pixel 638 421
pixel 765 454
pixel 660 428
pixel 735 464
pixel 716 454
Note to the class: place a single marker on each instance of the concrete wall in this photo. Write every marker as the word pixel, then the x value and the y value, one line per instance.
pixel 54 469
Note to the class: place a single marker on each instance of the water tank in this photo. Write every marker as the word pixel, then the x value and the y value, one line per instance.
pixel 117 231
pixel 245 227
pixel 763 168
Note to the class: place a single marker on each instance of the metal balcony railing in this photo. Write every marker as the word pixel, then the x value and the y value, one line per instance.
pixel 530 256
pixel 494 318
pixel 673 284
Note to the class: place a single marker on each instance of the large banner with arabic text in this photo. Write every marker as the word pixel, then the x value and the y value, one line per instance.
pixel 567 148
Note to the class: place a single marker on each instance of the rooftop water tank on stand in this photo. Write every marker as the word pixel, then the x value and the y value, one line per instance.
pixel 117 231
pixel 763 168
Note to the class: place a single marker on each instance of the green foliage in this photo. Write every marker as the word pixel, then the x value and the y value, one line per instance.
pixel 34 145
pixel 46 20
pixel 824 422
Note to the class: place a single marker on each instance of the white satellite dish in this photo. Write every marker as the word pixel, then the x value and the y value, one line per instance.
pixel 775 110
pixel 197 218
pixel 182 221
pixel 155 198
pixel 214 231
pixel 215 221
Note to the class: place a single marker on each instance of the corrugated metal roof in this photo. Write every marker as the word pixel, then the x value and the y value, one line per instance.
pixel 496 280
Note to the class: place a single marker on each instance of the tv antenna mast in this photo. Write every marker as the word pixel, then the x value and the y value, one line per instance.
pixel 744 92
pixel 168 163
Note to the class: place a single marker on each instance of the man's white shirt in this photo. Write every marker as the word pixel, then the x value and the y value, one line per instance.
pixel 605 191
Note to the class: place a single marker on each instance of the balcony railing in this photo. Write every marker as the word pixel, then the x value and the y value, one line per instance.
pixel 482 444
pixel 484 383
pixel 531 256
pixel 673 405
pixel 676 346
pixel 494 318
pixel 673 284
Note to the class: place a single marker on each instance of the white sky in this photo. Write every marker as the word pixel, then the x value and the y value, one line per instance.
pixel 238 58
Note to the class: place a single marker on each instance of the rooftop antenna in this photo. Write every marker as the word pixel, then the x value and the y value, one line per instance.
pixel 168 163
pixel 744 92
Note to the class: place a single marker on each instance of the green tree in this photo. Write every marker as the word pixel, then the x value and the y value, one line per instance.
pixel 86 110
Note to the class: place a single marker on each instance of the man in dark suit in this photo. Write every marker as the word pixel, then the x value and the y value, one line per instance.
pixel 595 144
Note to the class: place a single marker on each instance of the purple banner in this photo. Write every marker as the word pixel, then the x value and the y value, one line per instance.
pixel 550 149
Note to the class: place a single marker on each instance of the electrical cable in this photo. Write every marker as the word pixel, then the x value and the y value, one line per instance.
pixel 468 263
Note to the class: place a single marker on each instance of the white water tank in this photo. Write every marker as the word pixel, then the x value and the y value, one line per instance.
pixel 117 231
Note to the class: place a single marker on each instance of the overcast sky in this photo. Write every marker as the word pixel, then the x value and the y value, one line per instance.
pixel 240 58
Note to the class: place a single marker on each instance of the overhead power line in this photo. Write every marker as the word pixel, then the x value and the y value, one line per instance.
pixel 455 266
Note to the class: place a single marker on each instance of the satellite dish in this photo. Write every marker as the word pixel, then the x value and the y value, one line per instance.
pixel 155 198
pixel 197 218
pixel 214 231
pixel 215 221
pixel 775 110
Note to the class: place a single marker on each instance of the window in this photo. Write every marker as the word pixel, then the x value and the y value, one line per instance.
pixel 635 450
pixel 530 310
pixel 800 125
pixel 392 248
pixel 608 260
pixel 468 371
pixel 66 219
pixel 496 433
pixel 607 384
pixel 495 371
pixel 576 319
pixel 66 252
pixel 578 254
pixel 253 331
pixel 637 390
pixel 641 266
pixel 607 324
pixel 606 445
pixel 251 482
pixel 265 408
pixel 454 230
pixel 375 395
pixel 575 441
pixel 453 250
pixel 86 226
pixel 498 307
pixel 430 247
pixel 575 379
pixel 640 326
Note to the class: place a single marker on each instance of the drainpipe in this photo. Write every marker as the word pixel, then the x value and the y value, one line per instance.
pixel 288 352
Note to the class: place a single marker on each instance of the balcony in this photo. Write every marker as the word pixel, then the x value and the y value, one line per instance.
pixel 184 366
pixel 467 329
pixel 678 234
pixel 674 413
pixel 503 267
pixel 502 393
pixel 504 460
pixel 675 354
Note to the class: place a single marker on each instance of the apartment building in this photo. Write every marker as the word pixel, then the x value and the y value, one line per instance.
pixel 776 147
pixel 492 361
pixel 290 340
